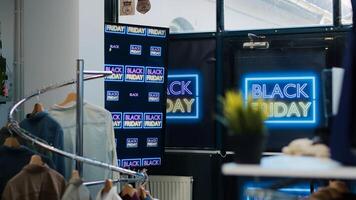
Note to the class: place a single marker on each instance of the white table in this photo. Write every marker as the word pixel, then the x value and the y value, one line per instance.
pixel 292 167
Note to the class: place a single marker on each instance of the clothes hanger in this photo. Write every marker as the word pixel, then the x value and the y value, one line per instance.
pixel 107 187
pixel 141 191
pixel 12 141
pixel 38 107
pixel 36 160
pixel 70 98
pixel 75 175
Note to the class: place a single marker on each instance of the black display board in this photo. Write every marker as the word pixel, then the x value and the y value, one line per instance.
pixel 290 81
pixel 191 94
pixel 136 92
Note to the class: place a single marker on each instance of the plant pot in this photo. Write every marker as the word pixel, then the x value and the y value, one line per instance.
pixel 248 148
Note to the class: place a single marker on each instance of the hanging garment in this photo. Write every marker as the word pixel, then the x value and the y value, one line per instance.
pixel 98 139
pixel 42 125
pixel 76 190
pixel 111 195
pixel 12 160
pixel 35 182
pixel 343 134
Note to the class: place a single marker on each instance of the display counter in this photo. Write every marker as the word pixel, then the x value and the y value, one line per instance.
pixel 292 167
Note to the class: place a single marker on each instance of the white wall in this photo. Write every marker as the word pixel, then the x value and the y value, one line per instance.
pixel 7 19
pixel 91 46
pixel 201 14
pixel 56 33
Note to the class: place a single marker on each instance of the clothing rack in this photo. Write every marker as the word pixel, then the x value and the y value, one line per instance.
pixel 15 128
pixel 120 180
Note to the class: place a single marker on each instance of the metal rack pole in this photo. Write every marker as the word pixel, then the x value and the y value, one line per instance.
pixel 79 113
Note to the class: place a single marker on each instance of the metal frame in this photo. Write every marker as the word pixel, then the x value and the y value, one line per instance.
pixel 79 113
pixel 15 128
pixel 337 25
pixel 112 8
pixel 221 34
pixel 121 180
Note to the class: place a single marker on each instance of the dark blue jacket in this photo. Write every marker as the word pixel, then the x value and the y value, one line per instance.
pixel 42 125
pixel 344 123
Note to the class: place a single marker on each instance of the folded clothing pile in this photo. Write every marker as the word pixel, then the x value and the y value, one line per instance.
pixel 306 147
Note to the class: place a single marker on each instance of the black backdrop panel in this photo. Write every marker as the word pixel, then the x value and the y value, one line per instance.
pixel 136 92
pixel 289 62
pixel 197 57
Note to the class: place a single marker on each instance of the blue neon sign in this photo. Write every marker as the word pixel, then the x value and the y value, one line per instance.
pixel 290 100
pixel 183 97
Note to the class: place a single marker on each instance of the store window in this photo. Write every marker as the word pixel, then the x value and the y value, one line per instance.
pixel 267 14
pixel 346 12
pixel 183 16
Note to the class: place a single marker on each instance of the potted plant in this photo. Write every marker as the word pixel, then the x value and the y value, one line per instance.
pixel 244 120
